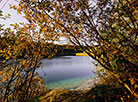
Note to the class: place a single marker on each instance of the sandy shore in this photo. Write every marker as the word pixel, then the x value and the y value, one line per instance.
pixel 88 84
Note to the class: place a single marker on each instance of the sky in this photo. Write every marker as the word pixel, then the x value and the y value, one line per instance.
pixel 15 18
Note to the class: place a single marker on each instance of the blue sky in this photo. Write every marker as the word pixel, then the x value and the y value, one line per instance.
pixel 15 18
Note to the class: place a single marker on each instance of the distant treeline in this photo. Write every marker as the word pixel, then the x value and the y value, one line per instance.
pixel 54 49
pixel 65 50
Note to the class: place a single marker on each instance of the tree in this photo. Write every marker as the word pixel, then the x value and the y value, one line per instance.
pixel 21 49
pixel 105 29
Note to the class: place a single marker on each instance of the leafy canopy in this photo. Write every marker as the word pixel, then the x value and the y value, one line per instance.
pixel 105 29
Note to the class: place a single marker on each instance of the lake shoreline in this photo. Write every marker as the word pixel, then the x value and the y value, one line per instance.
pixel 87 85
pixel 75 84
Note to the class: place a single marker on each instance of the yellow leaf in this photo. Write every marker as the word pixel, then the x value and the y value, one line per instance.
pixel 19 8
pixel 17 74
pixel 119 46
pixel 48 21
pixel 132 81
pixel 102 56
pixel 135 86
pixel 45 16
pixel 109 45
pixel 44 29
pixel 23 4
pixel 7 57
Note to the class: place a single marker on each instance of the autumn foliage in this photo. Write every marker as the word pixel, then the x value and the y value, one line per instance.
pixel 106 30
pixel 20 54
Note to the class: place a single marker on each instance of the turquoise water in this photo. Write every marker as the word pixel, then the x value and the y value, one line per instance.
pixel 73 83
pixel 68 72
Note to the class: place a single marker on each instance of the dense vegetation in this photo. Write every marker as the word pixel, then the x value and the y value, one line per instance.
pixel 105 29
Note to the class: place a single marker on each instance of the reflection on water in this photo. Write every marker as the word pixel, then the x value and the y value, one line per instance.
pixel 66 68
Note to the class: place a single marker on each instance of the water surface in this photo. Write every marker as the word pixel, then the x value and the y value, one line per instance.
pixel 66 71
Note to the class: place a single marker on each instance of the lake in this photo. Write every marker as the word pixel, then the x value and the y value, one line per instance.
pixel 66 72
